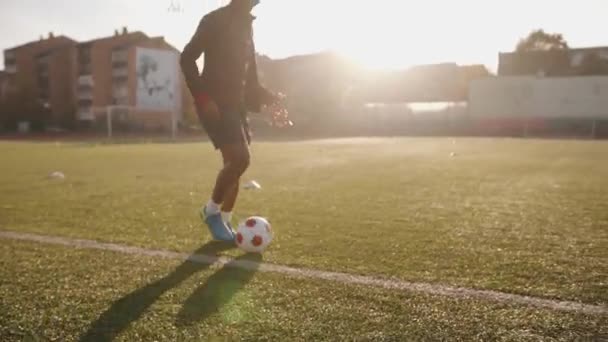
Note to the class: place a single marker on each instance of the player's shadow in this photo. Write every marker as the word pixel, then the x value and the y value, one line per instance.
pixel 131 307
pixel 218 290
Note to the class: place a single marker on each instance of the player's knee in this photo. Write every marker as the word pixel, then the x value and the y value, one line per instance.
pixel 238 166
pixel 243 163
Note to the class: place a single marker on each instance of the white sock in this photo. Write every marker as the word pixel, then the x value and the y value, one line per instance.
pixel 212 208
pixel 227 216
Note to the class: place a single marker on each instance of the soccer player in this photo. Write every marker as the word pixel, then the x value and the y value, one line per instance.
pixel 224 92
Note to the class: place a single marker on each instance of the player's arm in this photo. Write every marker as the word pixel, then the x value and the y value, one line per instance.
pixel 257 95
pixel 197 45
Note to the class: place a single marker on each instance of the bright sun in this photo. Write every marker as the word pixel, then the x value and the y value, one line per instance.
pixel 381 36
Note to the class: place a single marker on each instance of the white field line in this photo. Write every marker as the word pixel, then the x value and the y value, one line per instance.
pixel 424 288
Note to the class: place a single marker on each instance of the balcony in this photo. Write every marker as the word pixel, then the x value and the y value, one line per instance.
pixel 86 114
pixel 120 72
pixel 120 56
pixel 85 95
pixel 85 81
pixel 121 101
pixel 121 91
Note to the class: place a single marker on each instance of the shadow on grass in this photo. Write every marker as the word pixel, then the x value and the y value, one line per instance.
pixel 218 290
pixel 131 307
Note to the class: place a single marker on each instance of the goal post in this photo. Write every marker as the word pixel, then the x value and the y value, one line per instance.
pixel 108 112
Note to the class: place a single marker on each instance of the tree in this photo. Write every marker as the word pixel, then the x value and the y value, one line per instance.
pixel 539 40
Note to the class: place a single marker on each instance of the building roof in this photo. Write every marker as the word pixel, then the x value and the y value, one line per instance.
pixel 35 42
pixel 162 39
pixel 132 42
pixel 135 34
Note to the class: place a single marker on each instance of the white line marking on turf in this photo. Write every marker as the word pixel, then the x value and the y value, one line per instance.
pixel 425 288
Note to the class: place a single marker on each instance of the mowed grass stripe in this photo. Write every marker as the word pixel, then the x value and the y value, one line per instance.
pixel 425 288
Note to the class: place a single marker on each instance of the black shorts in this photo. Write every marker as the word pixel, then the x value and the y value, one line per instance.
pixel 230 128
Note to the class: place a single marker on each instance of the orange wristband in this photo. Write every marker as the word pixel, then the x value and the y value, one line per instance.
pixel 202 99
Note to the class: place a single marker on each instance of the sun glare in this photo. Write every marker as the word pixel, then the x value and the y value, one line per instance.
pixel 382 35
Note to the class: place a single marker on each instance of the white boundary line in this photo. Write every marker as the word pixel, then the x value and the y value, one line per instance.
pixel 424 288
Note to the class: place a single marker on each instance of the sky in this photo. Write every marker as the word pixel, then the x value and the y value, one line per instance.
pixel 381 34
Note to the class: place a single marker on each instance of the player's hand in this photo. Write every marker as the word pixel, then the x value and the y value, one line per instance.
pixel 207 107
pixel 280 118
pixel 278 114
pixel 277 98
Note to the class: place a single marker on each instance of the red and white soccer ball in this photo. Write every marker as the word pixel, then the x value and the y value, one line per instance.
pixel 254 235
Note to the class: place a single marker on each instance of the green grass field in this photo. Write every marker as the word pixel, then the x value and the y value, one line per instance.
pixel 527 217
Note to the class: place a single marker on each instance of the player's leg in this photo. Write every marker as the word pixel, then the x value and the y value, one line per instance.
pixel 232 141
pixel 224 134
pixel 211 212
pixel 229 202
pixel 241 158
pixel 236 161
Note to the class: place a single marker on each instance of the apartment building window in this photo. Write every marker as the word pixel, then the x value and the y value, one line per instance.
pixel 120 65
pixel 43 81
pixel 82 88
pixel 10 62
pixel 84 57
pixel 84 60
pixel 42 69
pixel 85 103
pixel 44 88
pixel 44 96
pixel 10 58
pixel 118 79
pixel 85 69
pixel 84 54
pixel 120 73
pixel 120 55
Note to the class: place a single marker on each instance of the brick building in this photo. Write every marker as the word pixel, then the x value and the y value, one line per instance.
pixel 3 84
pixel 107 76
pixel 45 71
pixel 77 81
